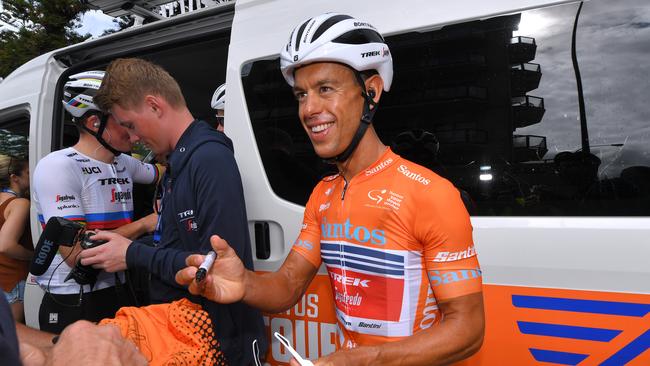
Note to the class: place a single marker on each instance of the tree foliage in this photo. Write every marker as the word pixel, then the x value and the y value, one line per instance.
pixel 43 25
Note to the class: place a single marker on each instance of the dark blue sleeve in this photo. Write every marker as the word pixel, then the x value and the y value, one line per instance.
pixel 8 340
pixel 220 209
pixel 221 206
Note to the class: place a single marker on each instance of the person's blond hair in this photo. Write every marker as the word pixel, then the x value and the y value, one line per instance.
pixel 128 80
pixel 10 165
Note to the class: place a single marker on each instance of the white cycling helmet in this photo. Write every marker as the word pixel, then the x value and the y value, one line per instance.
pixel 219 98
pixel 338 38
pixel 79 91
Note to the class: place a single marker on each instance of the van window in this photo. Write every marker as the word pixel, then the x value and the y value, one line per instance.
pixel 14 134
pixel 492 105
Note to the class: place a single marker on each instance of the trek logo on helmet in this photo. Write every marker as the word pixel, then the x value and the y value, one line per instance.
pixel 370 54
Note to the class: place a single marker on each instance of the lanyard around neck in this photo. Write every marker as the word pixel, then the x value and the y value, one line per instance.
pixel 10 191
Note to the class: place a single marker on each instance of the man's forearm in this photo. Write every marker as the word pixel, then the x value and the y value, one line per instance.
pixel 161 262
pixel 275 292
pixel 138 228
pixel 33 336
pixel 270 292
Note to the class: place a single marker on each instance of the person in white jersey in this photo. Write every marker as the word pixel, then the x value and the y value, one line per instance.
pixel 218 103
pixel 91 183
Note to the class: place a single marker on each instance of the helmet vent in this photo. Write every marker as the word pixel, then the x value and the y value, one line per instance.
pixel 328 24
pixel 359 36
pixel 299 35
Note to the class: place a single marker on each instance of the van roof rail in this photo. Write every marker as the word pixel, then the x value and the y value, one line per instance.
pixel 151 10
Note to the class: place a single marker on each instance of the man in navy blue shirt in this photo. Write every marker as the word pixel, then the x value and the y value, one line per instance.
pixel 202 196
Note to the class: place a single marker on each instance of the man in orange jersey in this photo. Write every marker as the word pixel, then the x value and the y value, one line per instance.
pixel 395 237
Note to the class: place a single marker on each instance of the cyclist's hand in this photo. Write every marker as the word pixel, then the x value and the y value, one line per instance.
pixel 224 282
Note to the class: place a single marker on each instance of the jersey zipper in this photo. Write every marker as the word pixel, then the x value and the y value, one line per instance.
pixel 345 188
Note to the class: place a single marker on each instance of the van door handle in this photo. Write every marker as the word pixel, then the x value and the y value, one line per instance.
pixel 262 240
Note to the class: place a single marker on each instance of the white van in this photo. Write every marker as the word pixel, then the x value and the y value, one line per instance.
pixel 485 94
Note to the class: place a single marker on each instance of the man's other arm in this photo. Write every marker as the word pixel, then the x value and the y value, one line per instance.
pixel 229 281
pixel 139 227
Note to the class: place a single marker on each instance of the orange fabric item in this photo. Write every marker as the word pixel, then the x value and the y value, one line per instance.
pixel 396 239
pixel 179 333
pixel 13 270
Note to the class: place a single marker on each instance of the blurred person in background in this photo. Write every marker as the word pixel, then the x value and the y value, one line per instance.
pixel 16 247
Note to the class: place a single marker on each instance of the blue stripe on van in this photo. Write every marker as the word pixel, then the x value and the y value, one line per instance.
pixel 630 351
pixel 568 331
pixel 582 306
pixel 561 358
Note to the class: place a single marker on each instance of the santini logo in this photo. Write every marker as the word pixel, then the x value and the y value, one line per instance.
pixel 455 256
pixel 323 207
pixel 347 230
pixel 413 175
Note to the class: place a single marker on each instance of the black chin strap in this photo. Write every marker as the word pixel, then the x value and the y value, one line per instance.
pixel 366 120
pixel 103 119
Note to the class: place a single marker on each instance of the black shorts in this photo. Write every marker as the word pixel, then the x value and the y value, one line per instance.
pixel 58 311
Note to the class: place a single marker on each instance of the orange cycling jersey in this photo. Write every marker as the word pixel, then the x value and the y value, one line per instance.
pixel 395 239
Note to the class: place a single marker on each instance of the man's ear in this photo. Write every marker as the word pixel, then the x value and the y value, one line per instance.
pixel 154 104
pixel 92 122
pixel 376 85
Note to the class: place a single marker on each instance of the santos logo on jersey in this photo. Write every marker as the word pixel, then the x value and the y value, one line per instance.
pixel 438 278
pixel 349 231
pixel 379 167
pixel 413 175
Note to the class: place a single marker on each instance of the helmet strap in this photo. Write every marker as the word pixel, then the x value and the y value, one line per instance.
pixel 366 120
pixel 103 120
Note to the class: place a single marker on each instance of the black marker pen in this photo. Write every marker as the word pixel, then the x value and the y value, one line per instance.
pixel 205 266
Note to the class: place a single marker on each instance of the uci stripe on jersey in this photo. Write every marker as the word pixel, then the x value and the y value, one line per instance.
pixel 108 219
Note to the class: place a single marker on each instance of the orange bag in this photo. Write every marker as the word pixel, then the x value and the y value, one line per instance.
pixel 179 333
